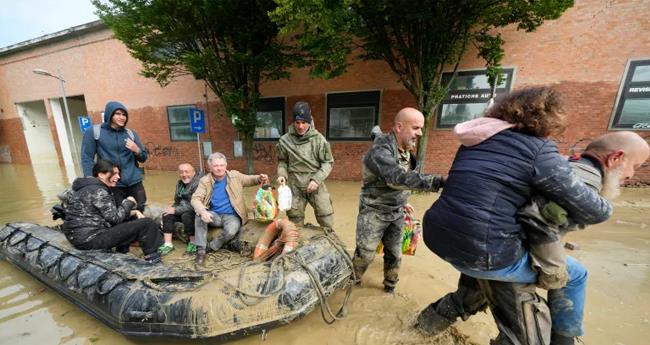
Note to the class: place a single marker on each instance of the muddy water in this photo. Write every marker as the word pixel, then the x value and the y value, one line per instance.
pixel 617 254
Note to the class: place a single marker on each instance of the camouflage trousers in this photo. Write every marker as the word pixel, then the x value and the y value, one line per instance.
pixel 319 200
pixel 374 226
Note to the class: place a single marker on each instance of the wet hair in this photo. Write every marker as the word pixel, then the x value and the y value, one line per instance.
pixel 104 166
pixel 537 111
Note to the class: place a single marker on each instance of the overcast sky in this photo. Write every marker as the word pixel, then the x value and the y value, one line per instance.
pixel 21 20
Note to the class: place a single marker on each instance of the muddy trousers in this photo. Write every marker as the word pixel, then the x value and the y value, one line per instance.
pixel 187 218
pixel 120 236
pixel 523 318
pixel 230 223
pixel 374 226
pixel 319 200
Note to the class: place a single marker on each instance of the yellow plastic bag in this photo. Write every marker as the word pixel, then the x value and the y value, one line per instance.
pixel 411 235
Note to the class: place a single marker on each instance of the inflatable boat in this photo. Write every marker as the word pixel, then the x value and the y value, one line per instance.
pixel 231 297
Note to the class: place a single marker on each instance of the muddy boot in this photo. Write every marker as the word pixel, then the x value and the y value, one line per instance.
pixel 433 320
pixel 200 257
pixel 557 339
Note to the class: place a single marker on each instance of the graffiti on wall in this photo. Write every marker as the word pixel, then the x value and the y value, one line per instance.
pixel 264 152
pixel 157 150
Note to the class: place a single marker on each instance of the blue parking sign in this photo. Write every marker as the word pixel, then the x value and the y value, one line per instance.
pixel 84 123
pixel 197 120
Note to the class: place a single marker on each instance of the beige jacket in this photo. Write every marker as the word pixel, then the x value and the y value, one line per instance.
pixel 236 182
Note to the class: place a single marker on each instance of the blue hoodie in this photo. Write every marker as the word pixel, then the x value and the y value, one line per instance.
pixel 112 146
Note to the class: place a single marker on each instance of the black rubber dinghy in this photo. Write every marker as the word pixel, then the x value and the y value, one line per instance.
pixel 231 297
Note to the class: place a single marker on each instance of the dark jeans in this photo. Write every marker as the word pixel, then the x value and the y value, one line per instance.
pixel 187 218
pixel 144 230
pixel 136 191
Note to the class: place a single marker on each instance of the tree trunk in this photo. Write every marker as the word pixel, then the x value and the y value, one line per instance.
pixel 247 141
pixel 424 140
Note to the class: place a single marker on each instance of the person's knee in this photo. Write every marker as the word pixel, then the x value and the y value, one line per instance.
pixel 577 271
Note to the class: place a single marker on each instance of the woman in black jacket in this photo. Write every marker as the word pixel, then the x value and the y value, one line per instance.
pixel 94 221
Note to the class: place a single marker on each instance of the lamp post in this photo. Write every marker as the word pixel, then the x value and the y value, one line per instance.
pixel 41 71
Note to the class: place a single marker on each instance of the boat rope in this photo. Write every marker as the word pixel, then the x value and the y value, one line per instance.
pixel 326 311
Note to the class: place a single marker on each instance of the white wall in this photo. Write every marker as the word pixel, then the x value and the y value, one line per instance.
pixel 38 134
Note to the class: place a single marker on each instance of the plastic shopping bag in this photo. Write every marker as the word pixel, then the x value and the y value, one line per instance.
pixel 265 206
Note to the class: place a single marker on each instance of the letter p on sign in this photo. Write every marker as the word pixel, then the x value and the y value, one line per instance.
pixel 197 120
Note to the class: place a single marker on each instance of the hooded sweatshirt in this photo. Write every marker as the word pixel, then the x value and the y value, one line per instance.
pixel 112 146
pixel 308 157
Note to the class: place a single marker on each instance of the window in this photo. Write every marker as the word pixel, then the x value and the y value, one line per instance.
pixel 632 110
pixel 468 95
pixel 270 118
pixel 179 123
pixel 351 115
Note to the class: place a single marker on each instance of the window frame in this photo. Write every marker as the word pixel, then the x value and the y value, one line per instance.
pixel 621 96
pixel 284 117
pixel 356 104
pixel 169 124
pixel 510 79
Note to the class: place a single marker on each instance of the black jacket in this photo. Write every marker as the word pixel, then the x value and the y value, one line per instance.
pixel 183 195
pixel 91 210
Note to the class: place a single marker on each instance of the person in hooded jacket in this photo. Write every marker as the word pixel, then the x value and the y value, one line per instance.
pixel 304 162
pixel 117 144
pixel 94 221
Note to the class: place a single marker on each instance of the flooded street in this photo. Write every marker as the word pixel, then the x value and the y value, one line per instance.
pixel 616 253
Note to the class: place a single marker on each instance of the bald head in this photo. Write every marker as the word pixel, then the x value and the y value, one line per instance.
pixel 624 151
pixel 407 127
pixel 407 115
pixel 186 172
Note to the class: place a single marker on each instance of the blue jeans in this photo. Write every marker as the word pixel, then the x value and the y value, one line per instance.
pixel 567 304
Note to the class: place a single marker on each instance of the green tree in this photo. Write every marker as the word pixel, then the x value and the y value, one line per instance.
pixel 418 39
pixel 232 45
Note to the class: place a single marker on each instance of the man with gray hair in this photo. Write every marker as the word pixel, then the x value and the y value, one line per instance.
pixel 219 202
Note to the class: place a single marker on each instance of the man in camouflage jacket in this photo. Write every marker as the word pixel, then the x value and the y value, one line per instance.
pixel 304 161
pixel 388 176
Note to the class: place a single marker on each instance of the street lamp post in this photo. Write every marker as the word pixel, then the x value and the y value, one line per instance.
pixel 41 71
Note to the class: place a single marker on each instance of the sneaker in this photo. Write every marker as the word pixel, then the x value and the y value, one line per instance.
pixel 191 248
pixel 165 249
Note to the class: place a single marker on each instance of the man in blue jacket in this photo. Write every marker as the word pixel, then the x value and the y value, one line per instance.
pixel 114 142
pixel 474 225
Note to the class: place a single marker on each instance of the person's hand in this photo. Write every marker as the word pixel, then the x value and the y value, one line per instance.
pixel 169 210
pixel 132 146
pixel 312 186
pixel 132 199
pixel 409 209
pixel 206 217
pixel 263 178
pixel 281 180
pixel 137 214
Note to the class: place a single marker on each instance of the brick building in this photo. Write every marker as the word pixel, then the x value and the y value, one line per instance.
pixel 597 54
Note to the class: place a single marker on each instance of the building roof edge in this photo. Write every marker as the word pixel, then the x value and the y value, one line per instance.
pixel 62 35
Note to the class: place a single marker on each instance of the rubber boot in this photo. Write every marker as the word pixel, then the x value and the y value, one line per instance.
pixel 431 322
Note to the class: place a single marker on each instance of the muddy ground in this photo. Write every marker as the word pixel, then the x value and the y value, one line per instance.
pixel 617 254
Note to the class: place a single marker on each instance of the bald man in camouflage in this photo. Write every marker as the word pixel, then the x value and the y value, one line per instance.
pixel 388 175
pixel 304 161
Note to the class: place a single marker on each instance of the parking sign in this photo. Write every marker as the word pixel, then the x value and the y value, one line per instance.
pixel 197 120
pixel 84 123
